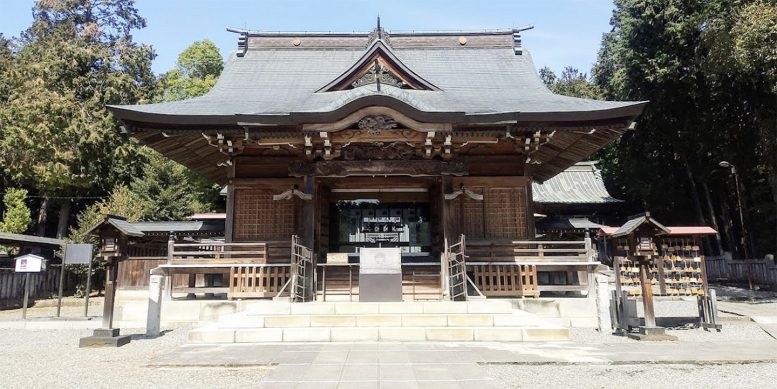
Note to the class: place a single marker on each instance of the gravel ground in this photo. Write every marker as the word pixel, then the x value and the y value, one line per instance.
pixel 52 359
pixel 72 307
pixel 635 376
pixel 733 331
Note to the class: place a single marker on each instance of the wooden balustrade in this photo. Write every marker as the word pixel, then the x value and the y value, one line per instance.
pixel 216 253
pixel 524 268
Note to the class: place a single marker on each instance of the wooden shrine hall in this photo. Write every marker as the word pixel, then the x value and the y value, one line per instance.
pixel 361 162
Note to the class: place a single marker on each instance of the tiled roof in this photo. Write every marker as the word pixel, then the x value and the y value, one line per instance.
pixel 579 184
pixel 483 83
pixel 566 224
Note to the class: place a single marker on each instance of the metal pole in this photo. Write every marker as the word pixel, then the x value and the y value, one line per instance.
pixel 744 230
pixel 88 289
pixel 26 295
pixel 61 285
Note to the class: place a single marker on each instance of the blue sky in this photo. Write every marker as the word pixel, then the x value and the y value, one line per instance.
pixel 567 32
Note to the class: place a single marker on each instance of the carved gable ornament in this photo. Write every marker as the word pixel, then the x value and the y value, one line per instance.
pixel 378 66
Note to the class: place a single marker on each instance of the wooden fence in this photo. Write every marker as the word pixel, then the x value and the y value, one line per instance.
pixel 42 285
pixel 762 272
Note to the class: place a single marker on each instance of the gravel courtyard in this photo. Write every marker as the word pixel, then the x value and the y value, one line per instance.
pixel 48 359
pixel 52 359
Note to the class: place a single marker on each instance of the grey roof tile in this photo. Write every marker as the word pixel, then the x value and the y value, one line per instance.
pixel 472 80
pixel 581 183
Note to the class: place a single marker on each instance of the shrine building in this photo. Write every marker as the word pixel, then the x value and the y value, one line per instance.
pixel 330 144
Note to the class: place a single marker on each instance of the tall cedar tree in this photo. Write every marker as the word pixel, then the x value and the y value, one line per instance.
pixel 56 136
pixel 704 107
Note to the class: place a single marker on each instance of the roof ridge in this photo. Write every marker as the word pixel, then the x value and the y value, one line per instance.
pixel 260 33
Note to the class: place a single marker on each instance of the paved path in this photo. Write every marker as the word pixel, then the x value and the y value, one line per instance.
pixel 431 365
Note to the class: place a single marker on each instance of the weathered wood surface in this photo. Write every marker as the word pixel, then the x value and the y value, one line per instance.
pixel 504 267
pixel 257 281
pixel 763 272
pixel 42 285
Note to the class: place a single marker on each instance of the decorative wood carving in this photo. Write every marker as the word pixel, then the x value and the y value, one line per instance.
pixel 379 74
pixel 464 191
pixel 374 124
pixel 291 193
pixel 378 151
pixel 377 168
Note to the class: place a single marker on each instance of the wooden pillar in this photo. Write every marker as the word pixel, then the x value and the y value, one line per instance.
pixel 309 212
pixel 228 223
pixel 111 273
pixel 647 292
pixel 309 230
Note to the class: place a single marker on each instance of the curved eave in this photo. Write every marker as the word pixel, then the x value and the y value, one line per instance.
pixel 162 120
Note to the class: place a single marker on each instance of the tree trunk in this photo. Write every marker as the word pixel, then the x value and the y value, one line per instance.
pixel 725 217
pixel 43 215
pixel 713 219
pixel 64 218
pixel 696 203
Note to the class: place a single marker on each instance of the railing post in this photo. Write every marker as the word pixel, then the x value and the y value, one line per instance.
pixel 168 285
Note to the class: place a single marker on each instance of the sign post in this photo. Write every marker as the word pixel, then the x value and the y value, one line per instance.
pixel 29 263
pixel 75 254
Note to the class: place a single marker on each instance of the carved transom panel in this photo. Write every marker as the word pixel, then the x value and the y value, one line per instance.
pixel 375 124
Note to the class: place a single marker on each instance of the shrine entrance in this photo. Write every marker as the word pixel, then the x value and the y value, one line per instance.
pixel 399 214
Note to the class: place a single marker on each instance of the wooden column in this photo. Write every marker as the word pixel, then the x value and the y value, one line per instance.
pixel 647 292
pixel 309 229
pixel 309 212
pixel 111 273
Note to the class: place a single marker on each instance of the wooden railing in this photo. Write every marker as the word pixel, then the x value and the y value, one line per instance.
pixel 216 253
pixel 524 268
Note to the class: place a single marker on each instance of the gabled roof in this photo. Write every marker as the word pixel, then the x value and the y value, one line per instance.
pixel 139 229
pixel 581 183
pixel 118 222
pixel 636 221
pixel 379 57
pixel 486 79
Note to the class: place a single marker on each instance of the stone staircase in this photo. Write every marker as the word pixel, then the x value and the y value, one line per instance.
pixel 369 322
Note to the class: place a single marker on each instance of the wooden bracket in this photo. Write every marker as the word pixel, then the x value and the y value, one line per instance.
pixel 464 191
pixel 291 193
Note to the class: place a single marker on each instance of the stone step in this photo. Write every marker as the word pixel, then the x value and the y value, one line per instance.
pixel 212 334
pixel 378 320
pixel 266 308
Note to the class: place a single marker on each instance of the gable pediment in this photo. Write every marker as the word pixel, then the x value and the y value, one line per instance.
pixel 379 66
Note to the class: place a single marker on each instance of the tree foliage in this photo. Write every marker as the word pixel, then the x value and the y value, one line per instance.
pixel 78 56
pixel 168 190
pixel 17 217
pixel 196 72
pixel 571 83
pixel 705 68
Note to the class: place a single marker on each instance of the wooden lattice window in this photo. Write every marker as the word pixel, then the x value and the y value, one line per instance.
pixel 260 218
pixel 505 213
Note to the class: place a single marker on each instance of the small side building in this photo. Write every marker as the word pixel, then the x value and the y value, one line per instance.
pixel 573 204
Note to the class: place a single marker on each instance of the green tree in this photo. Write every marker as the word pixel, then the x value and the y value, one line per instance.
pixel 168 189
pixel 705 106
pixel 196 72
pixel 121 202
pixel 56 136
pixel 17 217
pixel 571 83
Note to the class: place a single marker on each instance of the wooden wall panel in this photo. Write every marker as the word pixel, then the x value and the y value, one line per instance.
pixel 502 214
pixel 259 218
